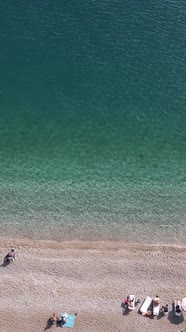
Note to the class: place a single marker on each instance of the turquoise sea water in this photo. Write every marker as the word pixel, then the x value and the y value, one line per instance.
pixel 93 120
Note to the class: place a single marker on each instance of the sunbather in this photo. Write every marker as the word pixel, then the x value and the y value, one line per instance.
pixel 165 309
pixel 54 318
pixel 178 310
pixel 126 301
pixel 156 300
pixel 131 298
pixel 63 319
pixel 131 301
pixel 60 321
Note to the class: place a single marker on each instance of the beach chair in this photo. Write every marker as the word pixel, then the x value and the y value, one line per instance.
pixel 145 306
pixel 183 304
pixel 156 309
pixel 177 308
pixel 131 302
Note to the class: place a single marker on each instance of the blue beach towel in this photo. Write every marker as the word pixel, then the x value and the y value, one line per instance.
pixel 70 321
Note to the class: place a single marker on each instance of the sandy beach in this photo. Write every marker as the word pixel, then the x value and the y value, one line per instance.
pixel 92 279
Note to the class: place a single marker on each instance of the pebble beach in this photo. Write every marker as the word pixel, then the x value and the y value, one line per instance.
pixel 90 279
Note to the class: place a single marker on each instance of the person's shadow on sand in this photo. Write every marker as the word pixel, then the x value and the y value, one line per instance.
pixel 175 319
pixel 125 310
pixel 161 314
pixel 49 324
pixel 4 264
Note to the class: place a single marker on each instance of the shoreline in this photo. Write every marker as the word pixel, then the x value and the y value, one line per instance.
pixel 7 242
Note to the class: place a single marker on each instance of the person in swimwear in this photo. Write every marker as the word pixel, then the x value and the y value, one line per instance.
pixel 10 257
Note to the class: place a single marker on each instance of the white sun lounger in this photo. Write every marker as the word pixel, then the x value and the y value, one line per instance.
pixel 145 305
pixel 183 304
pixel 131 303
pixel 156 309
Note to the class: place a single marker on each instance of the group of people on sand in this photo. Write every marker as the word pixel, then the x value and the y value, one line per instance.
pixel 165 308
pixel 54 319
pixel 130 302
pixel 156 302
pixel 60 321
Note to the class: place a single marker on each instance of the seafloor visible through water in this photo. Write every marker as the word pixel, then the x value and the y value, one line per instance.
pixel 93 120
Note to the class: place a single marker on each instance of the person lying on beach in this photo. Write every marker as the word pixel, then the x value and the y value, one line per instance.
pixel 63 319
pixel 130 299
pixel 54 318
pixel 156 300
pixel 10 257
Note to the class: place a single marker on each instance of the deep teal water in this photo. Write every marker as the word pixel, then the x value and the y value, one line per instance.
pixel 93 120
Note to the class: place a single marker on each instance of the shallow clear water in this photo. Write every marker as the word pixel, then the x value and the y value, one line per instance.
pixel 93 120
